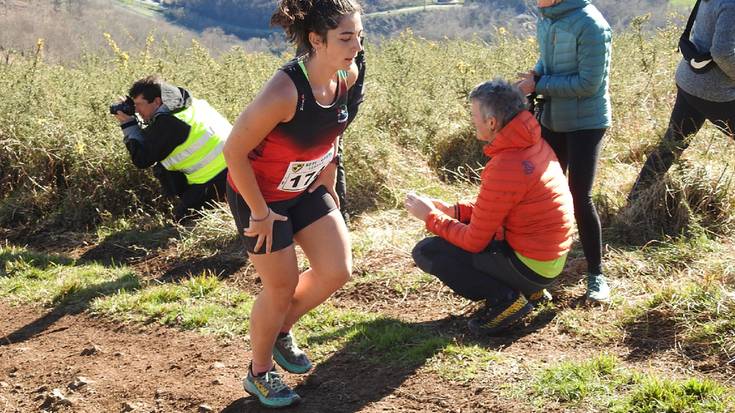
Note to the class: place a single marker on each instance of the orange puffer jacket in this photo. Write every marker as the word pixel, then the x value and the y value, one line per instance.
pixel 523 194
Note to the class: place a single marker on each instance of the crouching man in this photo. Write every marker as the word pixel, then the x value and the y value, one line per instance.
pixel 181 137
pixel 509 244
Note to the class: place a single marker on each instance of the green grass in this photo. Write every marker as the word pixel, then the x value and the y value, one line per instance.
pixel 198 303
pixel 373 337
pixel 205 304
pixel 29 277
pixel 464 363
pixel 653 395
pixel 702 313
pixel 602 384
pixel 570 383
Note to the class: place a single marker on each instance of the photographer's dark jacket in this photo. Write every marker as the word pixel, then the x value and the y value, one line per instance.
pixel 185 135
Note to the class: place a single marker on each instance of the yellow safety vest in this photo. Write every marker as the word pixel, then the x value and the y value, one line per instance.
pixel 200 157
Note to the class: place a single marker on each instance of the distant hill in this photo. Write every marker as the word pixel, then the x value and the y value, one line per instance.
pixel 248 18
pixel 71 27
pixel 221 24
pixel 251 18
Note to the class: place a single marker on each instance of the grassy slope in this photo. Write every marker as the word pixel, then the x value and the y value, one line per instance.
pixel 673 302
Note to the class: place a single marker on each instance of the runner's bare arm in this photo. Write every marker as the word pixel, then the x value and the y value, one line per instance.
pixel 274 104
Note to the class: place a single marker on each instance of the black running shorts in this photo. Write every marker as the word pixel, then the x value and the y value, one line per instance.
pixel 301 211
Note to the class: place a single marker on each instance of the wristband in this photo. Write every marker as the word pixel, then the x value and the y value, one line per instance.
pixel 536 78
pixel 261 219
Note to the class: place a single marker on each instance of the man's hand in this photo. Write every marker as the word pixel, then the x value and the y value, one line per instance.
pixel 527 84
pixel 328 178
pixel 443 207
pixel 419 206
pixel 121 116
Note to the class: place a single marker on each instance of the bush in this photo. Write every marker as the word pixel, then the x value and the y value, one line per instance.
pixel 66 165
pixel 688 199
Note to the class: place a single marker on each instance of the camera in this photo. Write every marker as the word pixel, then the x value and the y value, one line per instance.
pixel 127 107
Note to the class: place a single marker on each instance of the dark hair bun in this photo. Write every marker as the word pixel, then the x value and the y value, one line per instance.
pixel 300 17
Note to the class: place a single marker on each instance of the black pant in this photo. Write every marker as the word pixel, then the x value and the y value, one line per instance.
pixel 195 197
pixel 579 152
pixel 495 275
pixel 687 118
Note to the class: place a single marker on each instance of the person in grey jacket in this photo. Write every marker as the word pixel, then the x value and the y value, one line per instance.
pixel 700 96
pixel 573 74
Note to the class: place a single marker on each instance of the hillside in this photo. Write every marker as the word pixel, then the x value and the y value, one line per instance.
pixel 477 17
pixel 70 28
pixel 110 306
pixel 218 26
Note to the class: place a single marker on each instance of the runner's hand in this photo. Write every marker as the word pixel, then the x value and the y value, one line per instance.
pixel 327 178
pixel 263 229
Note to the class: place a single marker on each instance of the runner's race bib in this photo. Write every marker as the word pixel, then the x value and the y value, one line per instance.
pixel 300 175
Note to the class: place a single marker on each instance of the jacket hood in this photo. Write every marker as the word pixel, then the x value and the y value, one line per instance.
pixel 520 133
pixel 561 9
pixel 174 98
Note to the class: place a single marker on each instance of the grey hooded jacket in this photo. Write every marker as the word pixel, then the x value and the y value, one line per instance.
pixel 714 31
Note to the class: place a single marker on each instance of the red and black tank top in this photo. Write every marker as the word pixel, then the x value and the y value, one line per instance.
pixel 293 154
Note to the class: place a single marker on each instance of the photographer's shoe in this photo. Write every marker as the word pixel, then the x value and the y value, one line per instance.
pixel 289 356
pixel 270 389
pixel 501 316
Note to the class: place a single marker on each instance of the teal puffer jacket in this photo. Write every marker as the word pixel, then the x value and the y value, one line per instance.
pixel 574 66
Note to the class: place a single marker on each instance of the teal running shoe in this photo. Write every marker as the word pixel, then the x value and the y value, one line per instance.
pixel 270 389
pixel 597 288
pixel 289 356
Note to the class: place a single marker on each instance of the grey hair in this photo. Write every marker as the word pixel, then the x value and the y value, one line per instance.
pixel 499 99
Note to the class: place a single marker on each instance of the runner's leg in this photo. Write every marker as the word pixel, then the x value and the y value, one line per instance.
pixel 278 273
pixel 326 244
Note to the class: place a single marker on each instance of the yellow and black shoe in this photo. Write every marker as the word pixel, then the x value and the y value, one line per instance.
pixel 540 297
pixel 501 316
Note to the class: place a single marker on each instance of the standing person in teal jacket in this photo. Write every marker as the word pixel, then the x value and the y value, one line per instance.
pixel 572 74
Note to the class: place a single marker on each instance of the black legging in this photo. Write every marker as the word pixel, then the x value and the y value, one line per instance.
pixel 687 118
pixel 579 151
pixel 495 275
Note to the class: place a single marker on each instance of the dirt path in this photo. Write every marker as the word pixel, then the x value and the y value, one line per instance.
pixel 128 368
pixel 47 354
pixel 156 369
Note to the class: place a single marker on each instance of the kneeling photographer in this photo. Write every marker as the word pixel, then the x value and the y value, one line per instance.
pixel 181 137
